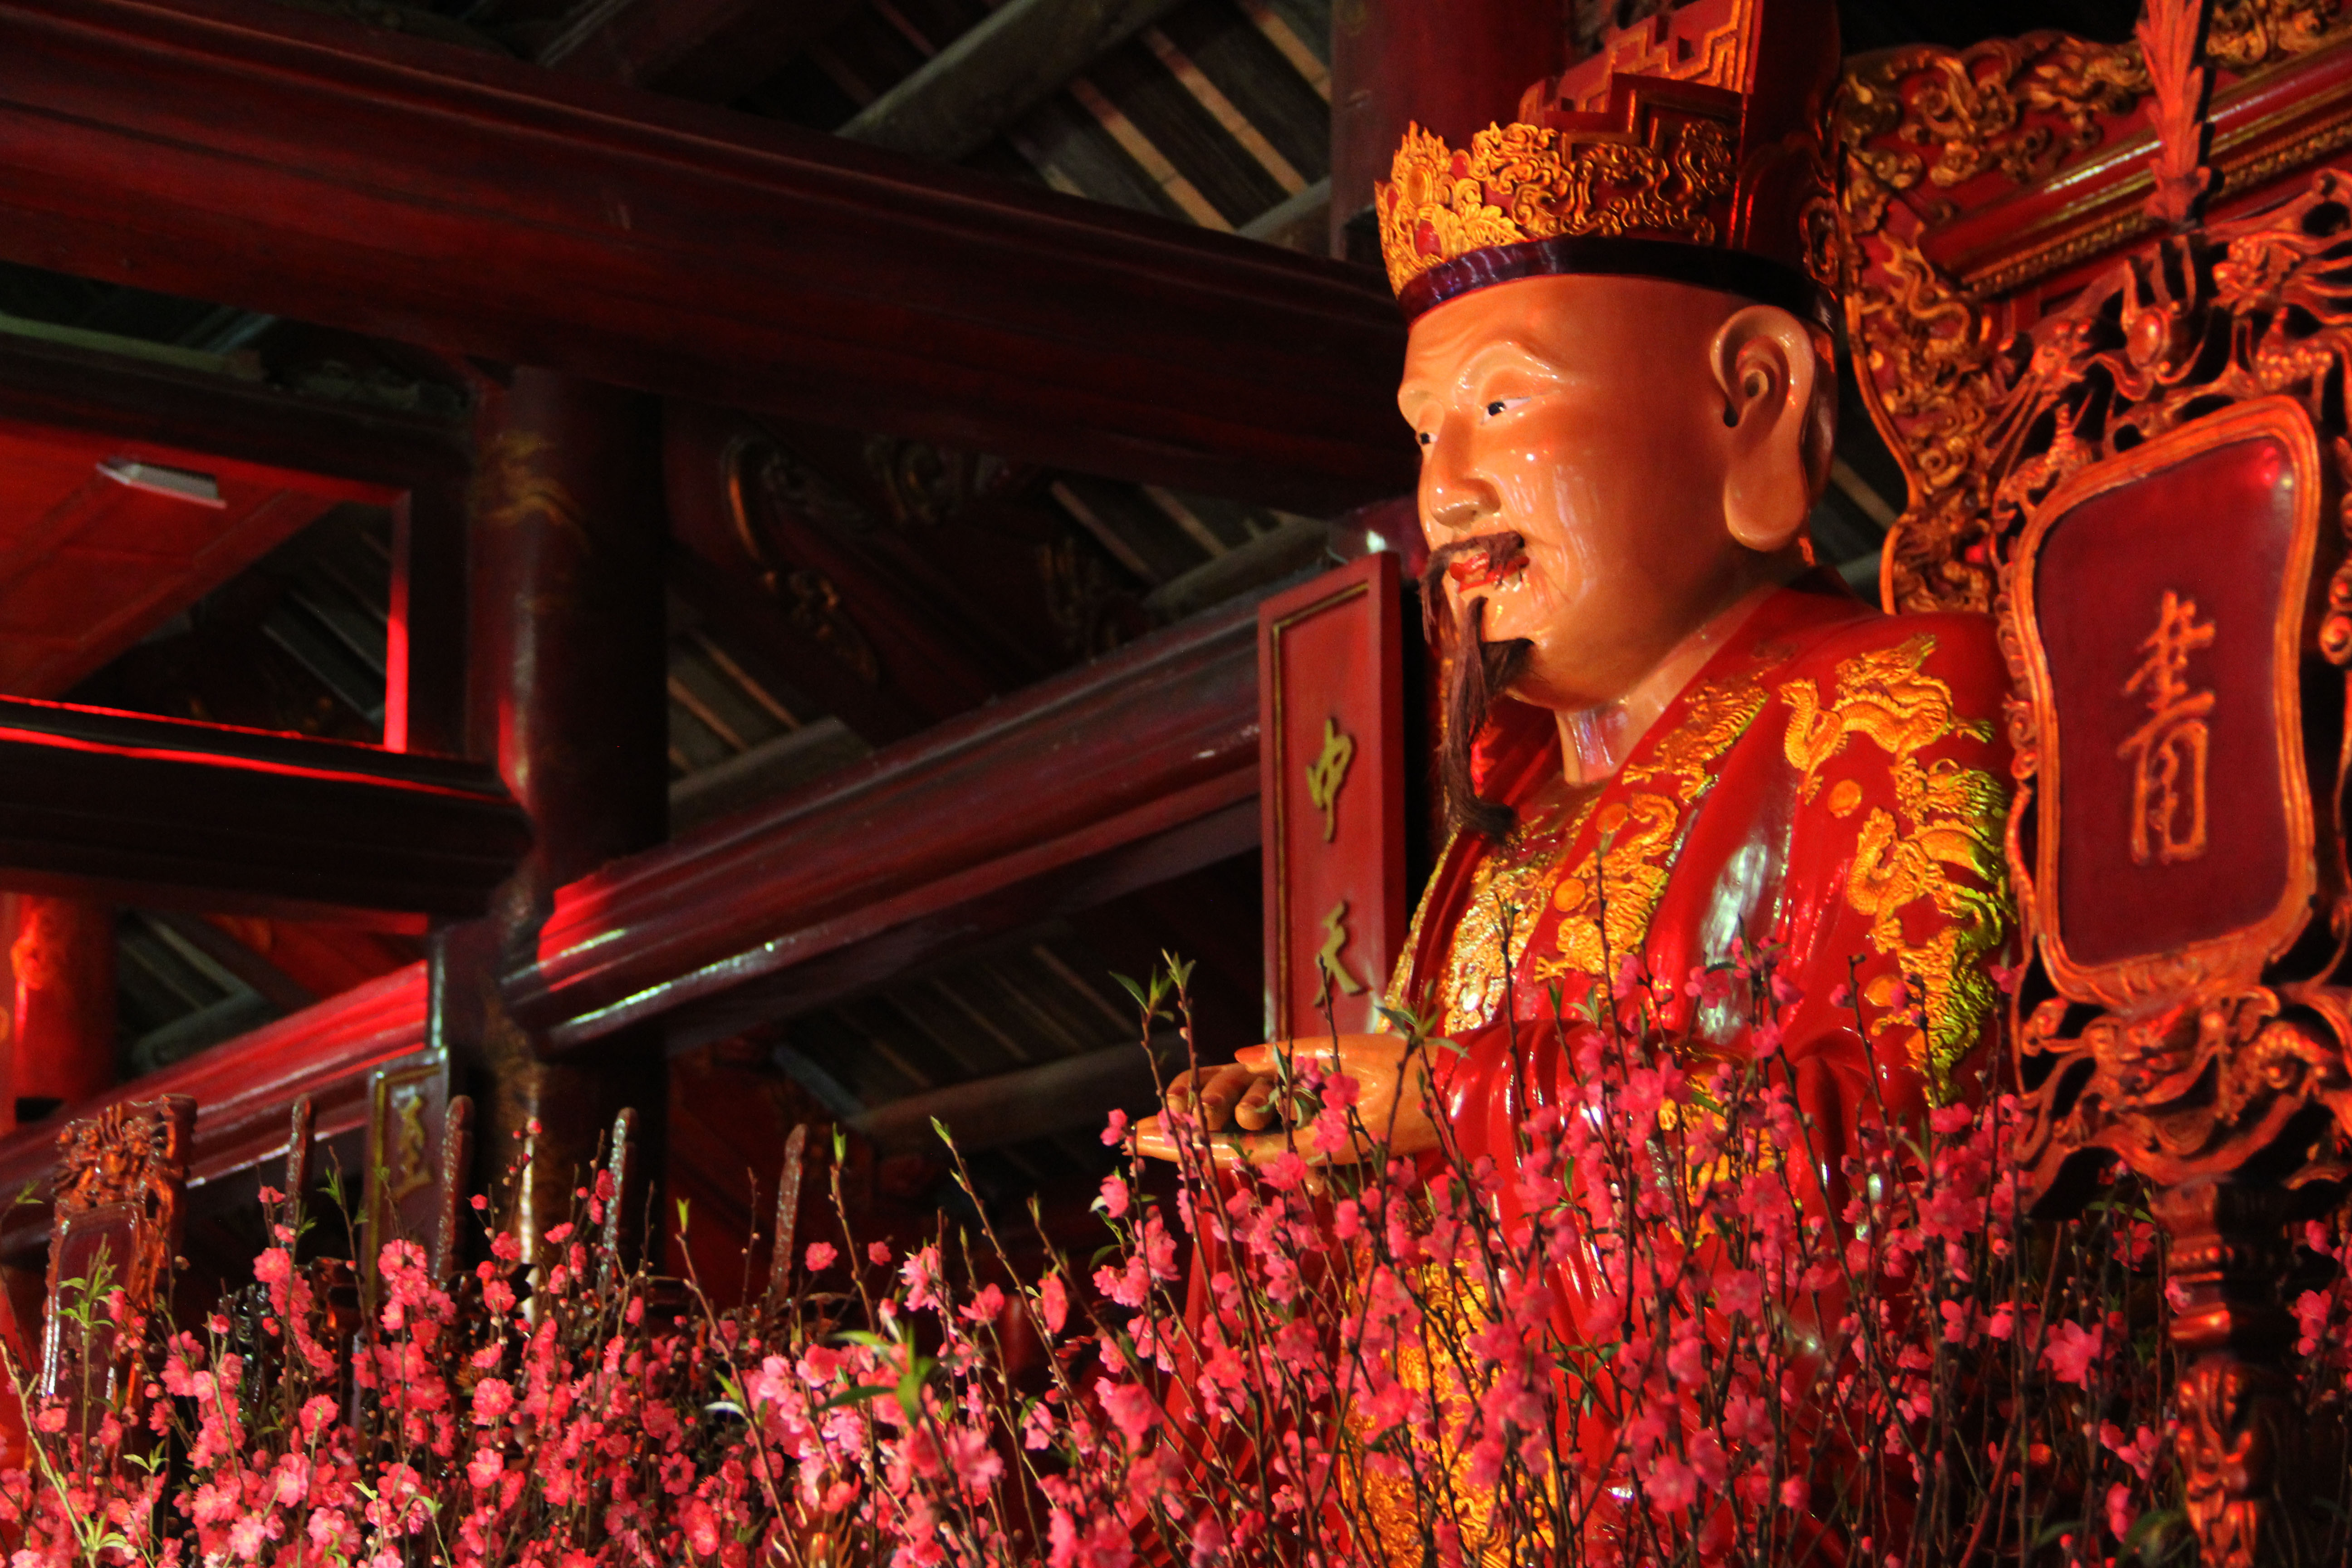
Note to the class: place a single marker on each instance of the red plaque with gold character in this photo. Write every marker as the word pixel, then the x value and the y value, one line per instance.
pixel 1331 704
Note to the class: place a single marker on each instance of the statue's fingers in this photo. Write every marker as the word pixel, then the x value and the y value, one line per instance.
pixel 1225 1088
pixel 1256 1111
pixel 1183 1086
pixel 1150 1137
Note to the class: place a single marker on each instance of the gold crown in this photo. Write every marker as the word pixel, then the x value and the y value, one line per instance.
pixel 1517 182
pixel 1699 127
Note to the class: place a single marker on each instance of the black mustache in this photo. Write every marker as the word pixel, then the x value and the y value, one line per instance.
pixel 1500 548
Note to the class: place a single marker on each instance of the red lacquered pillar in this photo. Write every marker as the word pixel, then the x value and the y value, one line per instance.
pixel 61 1007
pixel 567 691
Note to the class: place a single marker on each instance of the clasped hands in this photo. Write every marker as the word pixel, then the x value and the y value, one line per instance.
pixel 1242 1113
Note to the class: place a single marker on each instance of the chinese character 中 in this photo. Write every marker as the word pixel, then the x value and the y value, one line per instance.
pixel 2167 751
pixel 1328 773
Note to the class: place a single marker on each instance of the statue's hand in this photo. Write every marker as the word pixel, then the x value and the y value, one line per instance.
pixel 1239 1106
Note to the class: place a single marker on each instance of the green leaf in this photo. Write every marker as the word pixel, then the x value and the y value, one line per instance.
pixel 857 1395
pixel 910 1386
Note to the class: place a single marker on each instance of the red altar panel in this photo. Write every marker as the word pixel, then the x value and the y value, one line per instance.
pixel 1331 796
pixel 2168 589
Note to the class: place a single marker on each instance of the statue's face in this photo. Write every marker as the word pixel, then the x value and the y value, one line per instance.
pixel 1583 414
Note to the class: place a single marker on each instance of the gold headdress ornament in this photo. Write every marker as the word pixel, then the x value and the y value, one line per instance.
pixel 1689 147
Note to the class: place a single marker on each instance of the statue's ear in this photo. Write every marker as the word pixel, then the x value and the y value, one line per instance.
pixel 1773 376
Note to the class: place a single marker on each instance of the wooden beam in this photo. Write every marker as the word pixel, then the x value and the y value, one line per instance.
pixel 707 50
pixel 138 809
pixel 244 1090
pixel 269 158
pixel 1022 54
pixel 1137 768
pixel 382 450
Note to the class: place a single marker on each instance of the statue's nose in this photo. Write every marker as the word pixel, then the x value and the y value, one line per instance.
pixel 1453 495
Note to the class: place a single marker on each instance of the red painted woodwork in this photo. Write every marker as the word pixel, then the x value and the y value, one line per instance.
pixel 62 963
pixel 321 958
pixel 162 810
pixel 1331 796
pixel 1454 68
pixel 723 506
pixel 1133 769
pixel 261 156
pixel 281 459
pixel 246 1089
pixel 1050 803
pixel 89 565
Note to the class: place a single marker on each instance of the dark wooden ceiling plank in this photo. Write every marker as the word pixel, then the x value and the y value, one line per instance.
pixel 1024 53
pixel 278 161
pixel 709 50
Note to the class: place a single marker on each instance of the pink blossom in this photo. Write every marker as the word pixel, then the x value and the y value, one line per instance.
pixel 2070 1351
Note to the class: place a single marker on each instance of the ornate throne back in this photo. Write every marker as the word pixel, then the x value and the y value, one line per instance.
pixel 115 1225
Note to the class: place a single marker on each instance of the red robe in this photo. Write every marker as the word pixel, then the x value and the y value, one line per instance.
pixel 1832 784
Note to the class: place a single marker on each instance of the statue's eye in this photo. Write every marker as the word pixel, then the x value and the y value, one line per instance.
pixel 1429 438
pixel 1502 405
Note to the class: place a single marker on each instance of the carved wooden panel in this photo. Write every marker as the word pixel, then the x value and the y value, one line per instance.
pixel 408 1123
pixel 117 1189
pixel 1331 796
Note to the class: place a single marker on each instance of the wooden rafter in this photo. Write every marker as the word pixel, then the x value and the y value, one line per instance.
pixel 263 157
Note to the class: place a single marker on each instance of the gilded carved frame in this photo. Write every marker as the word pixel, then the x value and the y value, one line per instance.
pixel 2231 960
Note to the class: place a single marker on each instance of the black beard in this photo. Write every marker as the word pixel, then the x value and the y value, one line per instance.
pixel 1476 672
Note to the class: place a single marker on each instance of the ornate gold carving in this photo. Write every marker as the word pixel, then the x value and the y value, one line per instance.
pixel 1918 122
pixel 116 1220
pixel 2015 107
pixel 1946 818
pixel 2169 751
pixel 2246 35
pixel 1517 182
pixel 1326 775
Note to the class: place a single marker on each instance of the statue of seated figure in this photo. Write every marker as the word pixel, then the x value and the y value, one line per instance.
pixel 1667 732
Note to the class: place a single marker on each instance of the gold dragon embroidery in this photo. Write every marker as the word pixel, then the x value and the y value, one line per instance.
pixel 1606 902
pixel 1947 817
